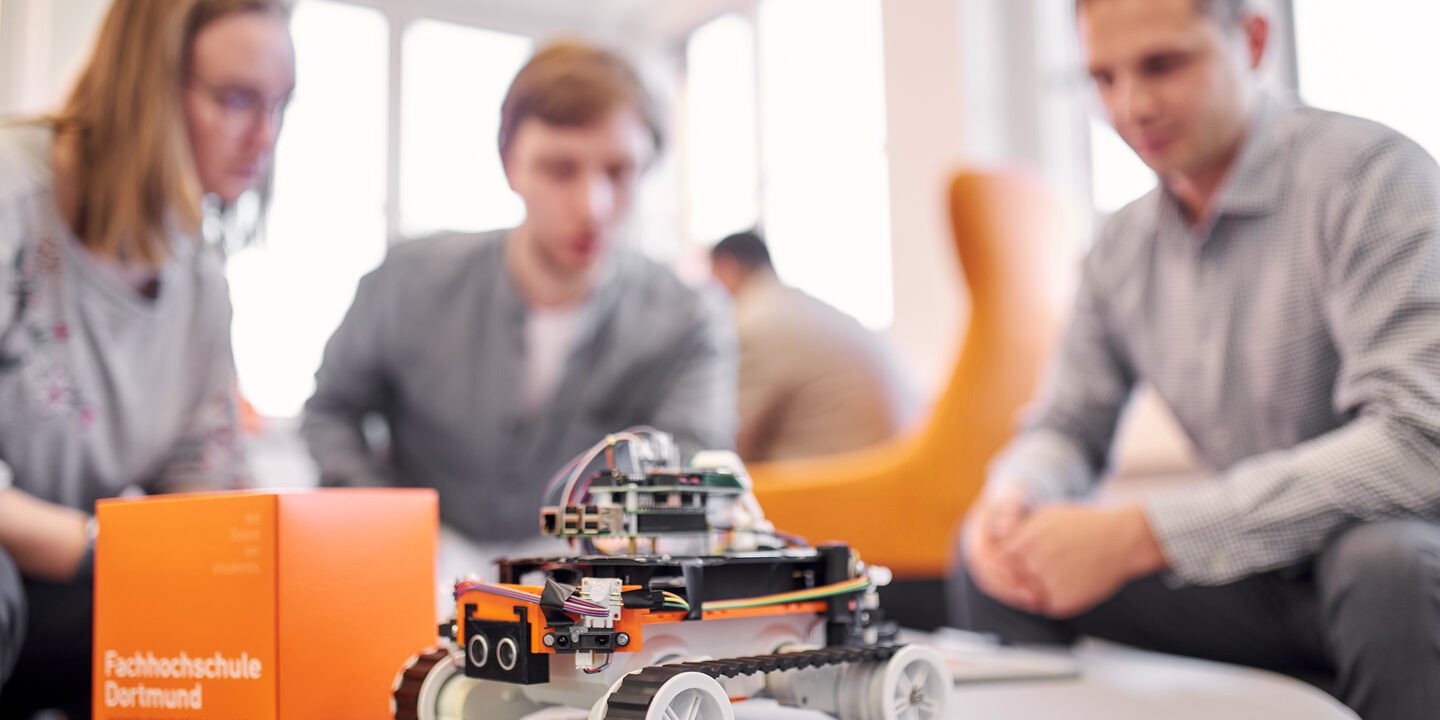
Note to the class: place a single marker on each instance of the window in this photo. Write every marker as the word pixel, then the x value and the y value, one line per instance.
pixel 722 153
pixel 328 224
pixel 453 81
pixel 1368 59
pixel 326 227
pixel 825 174
pixel 1118 175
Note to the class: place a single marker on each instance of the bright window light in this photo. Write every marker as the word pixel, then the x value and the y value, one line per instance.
pixel 1118 175
pixel 453 81
pixel 1368 59
pixel 327 223
pixel 825 178
pixel 722 162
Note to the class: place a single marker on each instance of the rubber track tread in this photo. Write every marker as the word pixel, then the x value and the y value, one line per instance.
pixel 407 686
pixel 632 699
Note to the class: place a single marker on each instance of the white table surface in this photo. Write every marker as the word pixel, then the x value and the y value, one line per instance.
pixel 1120 683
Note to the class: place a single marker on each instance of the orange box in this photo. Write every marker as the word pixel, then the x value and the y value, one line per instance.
pixel 261 605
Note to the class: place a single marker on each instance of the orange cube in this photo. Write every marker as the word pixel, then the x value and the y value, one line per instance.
pixel 261 605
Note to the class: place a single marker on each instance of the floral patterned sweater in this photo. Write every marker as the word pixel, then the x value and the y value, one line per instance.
pixel 101 387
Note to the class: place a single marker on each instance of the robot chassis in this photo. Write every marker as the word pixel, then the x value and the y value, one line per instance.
pixel 670 635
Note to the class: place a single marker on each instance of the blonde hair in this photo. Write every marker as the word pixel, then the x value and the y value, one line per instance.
pixel 573 83
pixel 136 181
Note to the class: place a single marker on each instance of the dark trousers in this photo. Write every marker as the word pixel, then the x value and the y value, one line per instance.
pixel 1361 621
pixel 12 616
pixel 51 669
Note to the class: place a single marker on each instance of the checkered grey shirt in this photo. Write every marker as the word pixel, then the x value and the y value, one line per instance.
pixel 1296 337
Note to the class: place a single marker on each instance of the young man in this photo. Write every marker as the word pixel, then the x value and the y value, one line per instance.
pixel 494 358
pixel 812 380
pixel 1281 291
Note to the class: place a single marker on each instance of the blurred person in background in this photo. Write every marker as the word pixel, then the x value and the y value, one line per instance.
pixel 1281 292
pixel 813 381
pixel 494 358
pixel 115 362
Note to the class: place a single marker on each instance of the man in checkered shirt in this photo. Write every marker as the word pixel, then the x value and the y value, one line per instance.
pixel 1281 292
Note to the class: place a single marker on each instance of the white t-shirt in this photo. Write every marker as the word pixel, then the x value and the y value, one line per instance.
pixel 549 338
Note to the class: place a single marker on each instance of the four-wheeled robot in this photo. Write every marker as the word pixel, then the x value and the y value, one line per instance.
pixel 679 600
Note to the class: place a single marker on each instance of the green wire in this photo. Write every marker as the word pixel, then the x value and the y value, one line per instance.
pixel 840 588
pixel 825 591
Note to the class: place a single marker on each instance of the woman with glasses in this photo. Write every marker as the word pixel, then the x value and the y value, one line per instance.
pixel 115 362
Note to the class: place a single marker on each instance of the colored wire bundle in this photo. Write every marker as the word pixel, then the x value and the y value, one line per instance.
pixel 815 593
pixel 674 601
pixel 565 480
pixel 553 487
pixel 574 605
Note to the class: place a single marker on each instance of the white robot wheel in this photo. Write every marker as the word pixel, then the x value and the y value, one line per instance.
pixel 433 686
pixel 914 684
pixel 691 696
pixel 686 696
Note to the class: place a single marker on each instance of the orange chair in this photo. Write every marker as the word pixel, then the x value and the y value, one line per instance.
pixel 900 503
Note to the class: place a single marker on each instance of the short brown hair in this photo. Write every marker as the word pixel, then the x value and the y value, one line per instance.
pixel 135 172
pixel 1225 13
pixel 574 83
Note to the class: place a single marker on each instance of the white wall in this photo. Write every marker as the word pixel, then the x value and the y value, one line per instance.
pixel 925 124
pixel 970 84
pixel 42 45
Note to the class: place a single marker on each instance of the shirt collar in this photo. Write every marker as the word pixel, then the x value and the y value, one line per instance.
pixel 1255 180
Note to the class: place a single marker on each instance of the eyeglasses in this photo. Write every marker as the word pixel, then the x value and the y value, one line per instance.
pixel 241 108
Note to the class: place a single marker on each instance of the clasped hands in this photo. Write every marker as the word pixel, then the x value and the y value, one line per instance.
pixel 1059 559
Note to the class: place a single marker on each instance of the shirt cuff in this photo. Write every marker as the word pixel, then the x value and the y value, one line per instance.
pixel 1194 526
pixel 1045 464
pixel 7 478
